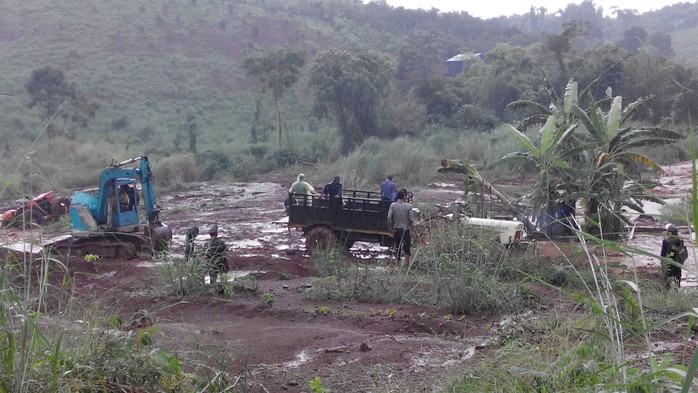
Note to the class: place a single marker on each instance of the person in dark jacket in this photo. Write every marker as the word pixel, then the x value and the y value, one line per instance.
pixel 672 271
pixel 192 233
pixel 214 254
pixel 333 191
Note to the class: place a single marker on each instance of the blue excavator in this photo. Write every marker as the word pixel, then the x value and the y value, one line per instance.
pixel 107 222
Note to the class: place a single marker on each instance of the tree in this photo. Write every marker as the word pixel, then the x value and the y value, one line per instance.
pixel 351 89
pixel 561 44
pixel 611 162
pixel 442 97
pixel 508 74
pixel 586 153
pixel 77 114
pixel 662 43
pixel 48 90
pixel 633 39
pixel 193 132
pixel 548 155
pixel 277 71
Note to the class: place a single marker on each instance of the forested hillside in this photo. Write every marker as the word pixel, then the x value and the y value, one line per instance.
pixel 168 78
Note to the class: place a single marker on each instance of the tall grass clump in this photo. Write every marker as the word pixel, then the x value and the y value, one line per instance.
pixel 469 269
pixel 177 169
pixel 413 160
pixel 179 277
pixel 378 281
pixel 53 340
pixel 406 159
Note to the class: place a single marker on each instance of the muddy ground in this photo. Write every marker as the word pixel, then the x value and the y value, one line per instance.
pixel 351 346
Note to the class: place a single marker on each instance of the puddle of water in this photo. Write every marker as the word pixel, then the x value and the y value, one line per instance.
pixel 152 264
pixel 302 358
pixel 245 243
pixel 443 185
pixel 235 275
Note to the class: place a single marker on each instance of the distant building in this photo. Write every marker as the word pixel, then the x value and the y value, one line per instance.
pixel 457 62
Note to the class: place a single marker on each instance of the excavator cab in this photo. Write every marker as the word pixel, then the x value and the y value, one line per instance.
pixel 111 212
pixel 90 215
pixel 124 207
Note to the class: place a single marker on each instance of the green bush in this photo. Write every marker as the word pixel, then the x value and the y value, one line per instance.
pixel 176 169
pixel 474 117
pixel 285 157
pixel 212 162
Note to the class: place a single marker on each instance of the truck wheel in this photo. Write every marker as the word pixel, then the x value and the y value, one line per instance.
pixel 319 238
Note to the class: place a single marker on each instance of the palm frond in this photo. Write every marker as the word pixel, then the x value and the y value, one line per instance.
pixel 533 106
pixel 571 97
pixel 630 110
pixel 531 121
pixel 522 140
pixel 613 121
pixel 641 159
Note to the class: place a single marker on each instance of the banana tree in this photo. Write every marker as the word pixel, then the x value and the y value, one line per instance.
pixel 548 154
pixel 610 162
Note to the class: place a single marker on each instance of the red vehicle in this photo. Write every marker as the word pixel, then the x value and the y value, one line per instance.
pixel 41 209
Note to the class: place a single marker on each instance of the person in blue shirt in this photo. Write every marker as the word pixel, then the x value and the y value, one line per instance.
pixel 333 191
pixel 388 190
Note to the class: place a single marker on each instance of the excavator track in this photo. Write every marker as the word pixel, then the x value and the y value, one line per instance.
pixel 122 246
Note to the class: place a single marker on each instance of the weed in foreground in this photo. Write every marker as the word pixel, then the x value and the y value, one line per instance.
pixel 52 339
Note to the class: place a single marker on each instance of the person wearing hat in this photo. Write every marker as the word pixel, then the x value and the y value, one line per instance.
pixel 672 270
pixel 333 191
pixel 214 254
pixel 192 233
pixel 400 223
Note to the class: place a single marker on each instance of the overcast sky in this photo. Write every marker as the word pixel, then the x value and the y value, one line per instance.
pixel 493 8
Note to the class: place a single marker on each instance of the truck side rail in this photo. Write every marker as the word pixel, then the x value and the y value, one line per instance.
pixel 356 211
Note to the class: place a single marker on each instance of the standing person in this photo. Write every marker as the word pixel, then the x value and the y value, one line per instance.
pixel 333 191
pixel 671 243
pixel 214 254
pixel 301 187
pixel 400 223
pixel 388 190
pixel 192 233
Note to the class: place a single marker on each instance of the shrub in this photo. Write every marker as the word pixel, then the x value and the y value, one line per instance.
pixel 120 123
pixel 475 117
pixel 285 157
pixel 176 169
pixel 259 151
pixel 212 162
pixel 466 268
